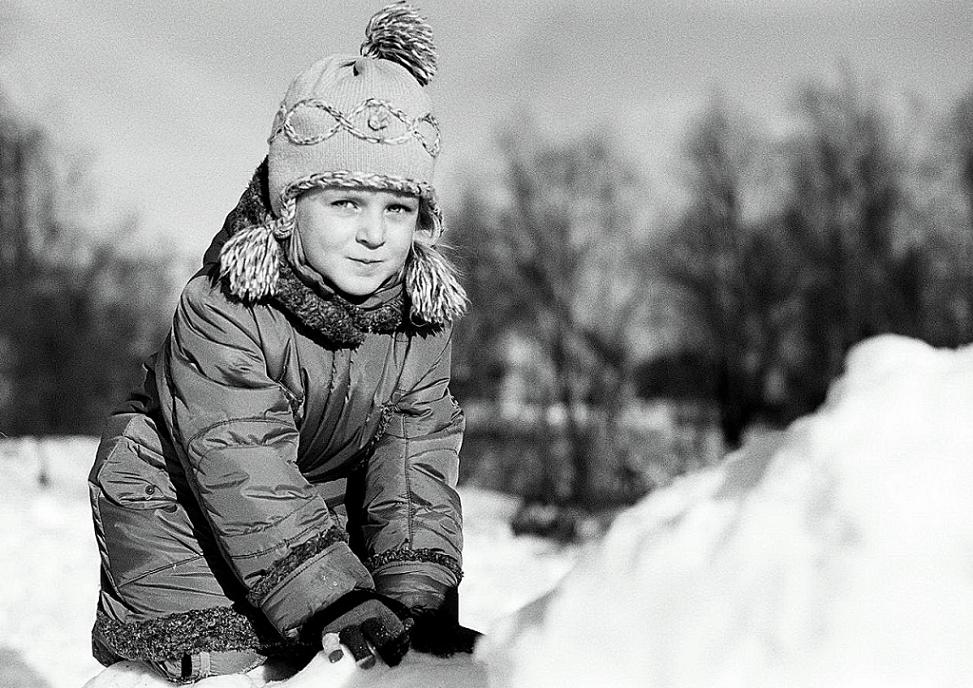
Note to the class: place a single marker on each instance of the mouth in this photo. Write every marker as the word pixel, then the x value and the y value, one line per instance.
pixel 365 261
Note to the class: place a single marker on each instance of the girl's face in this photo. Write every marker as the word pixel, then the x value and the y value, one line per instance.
pixel 356 239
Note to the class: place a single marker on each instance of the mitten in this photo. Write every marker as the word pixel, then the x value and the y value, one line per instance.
pixel 362 620
pixel 438 631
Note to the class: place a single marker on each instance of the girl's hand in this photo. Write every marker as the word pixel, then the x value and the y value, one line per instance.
pixel 364 621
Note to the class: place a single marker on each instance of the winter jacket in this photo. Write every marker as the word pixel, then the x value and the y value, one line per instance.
pixel 216 486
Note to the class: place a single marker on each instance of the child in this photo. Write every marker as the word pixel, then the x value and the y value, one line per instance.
pixel 306 373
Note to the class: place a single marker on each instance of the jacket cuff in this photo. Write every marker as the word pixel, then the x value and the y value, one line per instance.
pixel 417 558
pixel 312 586
pixel 417 585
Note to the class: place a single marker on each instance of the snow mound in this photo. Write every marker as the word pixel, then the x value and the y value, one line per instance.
pixel 837 553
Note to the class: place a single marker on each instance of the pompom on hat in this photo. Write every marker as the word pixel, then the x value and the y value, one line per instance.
pixel 355 121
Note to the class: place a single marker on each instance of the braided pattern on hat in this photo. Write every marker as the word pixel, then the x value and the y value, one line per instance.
pixel 399 34
pixel 424 128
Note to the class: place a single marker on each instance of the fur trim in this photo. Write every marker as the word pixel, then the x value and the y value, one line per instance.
pixel 430 556
pixel 292 561
pixel 216 629
pixel 336 321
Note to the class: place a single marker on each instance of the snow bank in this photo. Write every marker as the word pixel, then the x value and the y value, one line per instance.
pixel 837 553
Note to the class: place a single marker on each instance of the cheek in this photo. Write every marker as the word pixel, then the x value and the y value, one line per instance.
pixel 403 240
pixel 318 234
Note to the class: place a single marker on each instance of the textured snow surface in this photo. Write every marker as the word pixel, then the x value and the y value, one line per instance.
pixel 837 553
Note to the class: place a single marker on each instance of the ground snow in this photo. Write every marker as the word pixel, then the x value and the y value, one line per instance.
pixel 49 566
pixel 837 553
pixel 415 671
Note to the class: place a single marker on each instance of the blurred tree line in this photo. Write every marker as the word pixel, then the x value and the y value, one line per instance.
pixel 77 316
pixel 786 248
pixel 733 300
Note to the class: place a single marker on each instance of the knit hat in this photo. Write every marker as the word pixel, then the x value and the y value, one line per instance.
pixel 356 121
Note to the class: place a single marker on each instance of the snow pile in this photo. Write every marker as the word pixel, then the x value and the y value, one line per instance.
pixel 838 553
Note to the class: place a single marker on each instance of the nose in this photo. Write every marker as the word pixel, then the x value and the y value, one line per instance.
pixel 371 228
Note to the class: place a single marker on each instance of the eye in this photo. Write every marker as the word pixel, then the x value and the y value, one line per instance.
pixel 401 208
pixel 344 203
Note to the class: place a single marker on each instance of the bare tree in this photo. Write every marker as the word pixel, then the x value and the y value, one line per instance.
pixel 938 213
pixel 961 140
pixel 789 253
pixel 729 266
pixel 76 317
pixel 557 260
pixel 843 214
pixel 949 289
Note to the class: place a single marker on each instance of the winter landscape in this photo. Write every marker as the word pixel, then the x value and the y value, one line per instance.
pixel 835 553
pixel 718 369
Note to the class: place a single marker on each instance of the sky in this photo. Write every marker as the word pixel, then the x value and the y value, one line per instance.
pixel 173 101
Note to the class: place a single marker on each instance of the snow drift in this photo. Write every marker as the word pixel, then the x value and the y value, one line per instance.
pixel 837 553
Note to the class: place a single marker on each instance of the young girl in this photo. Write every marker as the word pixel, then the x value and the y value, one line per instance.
pixel 286 472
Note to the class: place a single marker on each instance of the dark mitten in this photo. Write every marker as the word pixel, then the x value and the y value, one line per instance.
pixel 363 620
pixel 438 631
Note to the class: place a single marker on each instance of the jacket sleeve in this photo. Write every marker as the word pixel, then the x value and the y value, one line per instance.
pixel 234 431
pixel 412 526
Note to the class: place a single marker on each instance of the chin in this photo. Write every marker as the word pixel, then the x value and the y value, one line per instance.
pixel 357 294
pixel 359 289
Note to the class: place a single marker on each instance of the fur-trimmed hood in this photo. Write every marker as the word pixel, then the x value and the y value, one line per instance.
pixel 249 256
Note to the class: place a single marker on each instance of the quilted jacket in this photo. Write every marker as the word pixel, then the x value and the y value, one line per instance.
pixel 262 470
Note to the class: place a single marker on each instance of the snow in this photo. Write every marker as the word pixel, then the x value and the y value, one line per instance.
pixel 49 567
pixel 836 553
pixel 415 671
